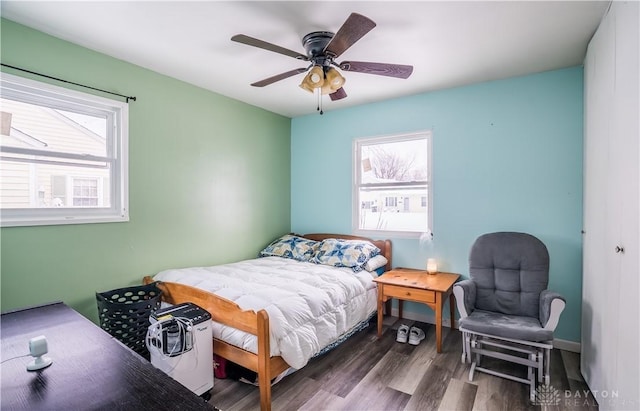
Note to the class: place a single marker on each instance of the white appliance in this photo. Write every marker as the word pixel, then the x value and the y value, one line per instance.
pixel 180 342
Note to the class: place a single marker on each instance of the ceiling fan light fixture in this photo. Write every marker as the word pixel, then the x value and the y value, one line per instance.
pixel 333 80
pixel 316 79
pixel 313 79
pixel 305 86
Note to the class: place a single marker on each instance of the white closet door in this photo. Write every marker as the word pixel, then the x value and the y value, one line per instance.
pixel 599 76
pixel 625 157
pixel 610 326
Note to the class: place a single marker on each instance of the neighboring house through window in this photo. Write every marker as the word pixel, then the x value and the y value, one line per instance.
pixel 63 155
pixel 392 185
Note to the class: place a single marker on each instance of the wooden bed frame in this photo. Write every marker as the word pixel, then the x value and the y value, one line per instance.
pixel 229 313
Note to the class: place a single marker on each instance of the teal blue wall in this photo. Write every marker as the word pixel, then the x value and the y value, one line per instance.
pixel 507 156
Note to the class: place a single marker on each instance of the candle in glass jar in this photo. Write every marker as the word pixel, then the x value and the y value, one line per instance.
pixel 432 266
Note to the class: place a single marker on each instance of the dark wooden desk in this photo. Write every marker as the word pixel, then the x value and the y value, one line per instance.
pixel 91 370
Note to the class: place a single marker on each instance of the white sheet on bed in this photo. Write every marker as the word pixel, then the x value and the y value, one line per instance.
pixel 310 305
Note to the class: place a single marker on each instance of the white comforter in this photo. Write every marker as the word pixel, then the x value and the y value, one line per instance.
pixel 310 305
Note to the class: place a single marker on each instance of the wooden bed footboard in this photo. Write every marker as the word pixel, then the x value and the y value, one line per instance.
pixel 227 312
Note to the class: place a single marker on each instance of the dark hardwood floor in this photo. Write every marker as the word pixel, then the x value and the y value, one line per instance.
pixel 365 373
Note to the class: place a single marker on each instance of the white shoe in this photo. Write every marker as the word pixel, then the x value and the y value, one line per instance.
pixel 415 336
pixel 403 333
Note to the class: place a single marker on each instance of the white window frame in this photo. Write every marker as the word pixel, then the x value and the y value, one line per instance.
pixel 117 113
pixel 356 167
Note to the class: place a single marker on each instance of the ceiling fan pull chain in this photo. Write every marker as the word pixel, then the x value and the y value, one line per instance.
pixel 319 106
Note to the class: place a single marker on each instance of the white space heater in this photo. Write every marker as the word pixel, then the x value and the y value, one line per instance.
pixel 180 342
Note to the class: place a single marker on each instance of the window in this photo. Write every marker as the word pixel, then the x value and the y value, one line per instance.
pixel 63 155
pixel 390 202
pixel 392 180
pixel 85 192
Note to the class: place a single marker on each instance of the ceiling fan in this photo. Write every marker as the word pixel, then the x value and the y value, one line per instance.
pixel 322 48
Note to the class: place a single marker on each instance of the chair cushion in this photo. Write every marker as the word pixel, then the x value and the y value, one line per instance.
pixel 510 271
pixel 508 326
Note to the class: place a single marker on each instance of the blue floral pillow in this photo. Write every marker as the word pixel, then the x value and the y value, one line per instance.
pixel 291 246
pixel 345 253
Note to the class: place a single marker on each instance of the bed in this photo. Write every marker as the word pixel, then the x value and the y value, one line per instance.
pixel 246 334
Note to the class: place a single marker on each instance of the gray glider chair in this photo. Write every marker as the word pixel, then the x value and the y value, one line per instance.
pixel 506 311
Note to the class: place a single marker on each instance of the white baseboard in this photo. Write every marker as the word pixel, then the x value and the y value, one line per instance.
pixel 567 345
pixel 430 318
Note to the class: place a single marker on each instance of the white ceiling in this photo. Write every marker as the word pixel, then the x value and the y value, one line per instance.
pixel 449 43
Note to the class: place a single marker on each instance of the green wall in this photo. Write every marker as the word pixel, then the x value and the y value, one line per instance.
pixel 507 156
pixel 208 183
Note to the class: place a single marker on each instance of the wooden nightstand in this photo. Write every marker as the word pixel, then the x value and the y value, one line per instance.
pixel 419 286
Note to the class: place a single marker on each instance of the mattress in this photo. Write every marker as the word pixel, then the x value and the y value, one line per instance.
pixel 310 306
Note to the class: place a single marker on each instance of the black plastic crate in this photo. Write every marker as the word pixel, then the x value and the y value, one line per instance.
pixel 124 313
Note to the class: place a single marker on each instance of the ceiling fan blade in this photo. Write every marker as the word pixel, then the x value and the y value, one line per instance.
pixel 351 31
pixel 278 77
pixel 381 69
pixel 339 94
pixel 250 41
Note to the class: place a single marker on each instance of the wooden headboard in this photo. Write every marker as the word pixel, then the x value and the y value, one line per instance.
pixel 383 245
